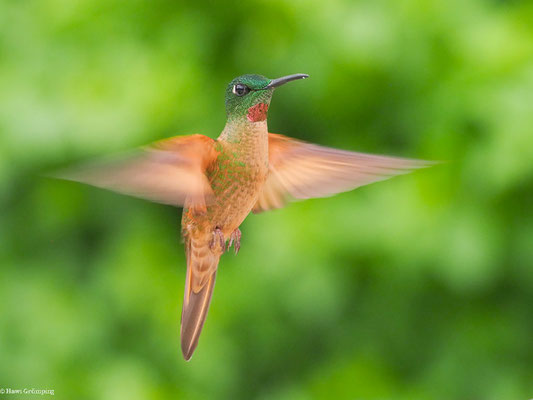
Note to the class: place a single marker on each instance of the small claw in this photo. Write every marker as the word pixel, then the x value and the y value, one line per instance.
pixel 217 234
pixel 236 237
pixel 222 242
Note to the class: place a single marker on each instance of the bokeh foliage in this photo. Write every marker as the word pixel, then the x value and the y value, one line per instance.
pixel 416 288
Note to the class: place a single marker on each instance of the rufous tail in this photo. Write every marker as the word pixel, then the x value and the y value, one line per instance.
pixel 201 272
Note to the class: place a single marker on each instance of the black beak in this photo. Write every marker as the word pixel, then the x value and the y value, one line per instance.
pixel 283 80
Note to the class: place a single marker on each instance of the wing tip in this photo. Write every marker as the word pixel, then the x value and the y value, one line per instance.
pixel 430 163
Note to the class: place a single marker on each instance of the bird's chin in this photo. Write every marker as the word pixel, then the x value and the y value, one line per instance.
pixel 257 113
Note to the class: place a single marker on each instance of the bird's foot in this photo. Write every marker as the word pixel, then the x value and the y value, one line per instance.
pixel 235 238
pixel 218 239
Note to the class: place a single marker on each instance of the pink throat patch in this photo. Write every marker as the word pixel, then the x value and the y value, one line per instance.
pixel 258 112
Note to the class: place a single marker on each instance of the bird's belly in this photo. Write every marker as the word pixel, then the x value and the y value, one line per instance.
pixel 233 204
pixel 235 196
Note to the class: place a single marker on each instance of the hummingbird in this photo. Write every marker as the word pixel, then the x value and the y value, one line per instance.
pixel 219 182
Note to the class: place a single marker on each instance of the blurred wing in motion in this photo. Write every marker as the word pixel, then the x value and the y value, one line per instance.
pixel 170 171
pixel 300 170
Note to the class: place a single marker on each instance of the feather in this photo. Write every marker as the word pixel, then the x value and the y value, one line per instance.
pixel 170 171
pixel 299 170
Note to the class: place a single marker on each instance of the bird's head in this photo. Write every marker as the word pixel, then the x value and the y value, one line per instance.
pixel 248 96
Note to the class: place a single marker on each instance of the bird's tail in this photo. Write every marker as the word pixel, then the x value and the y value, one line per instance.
pixel 202 265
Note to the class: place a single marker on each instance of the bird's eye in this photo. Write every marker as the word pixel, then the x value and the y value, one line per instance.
pixel 240 90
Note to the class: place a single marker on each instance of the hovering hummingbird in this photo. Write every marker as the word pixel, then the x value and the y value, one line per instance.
pixel 220 181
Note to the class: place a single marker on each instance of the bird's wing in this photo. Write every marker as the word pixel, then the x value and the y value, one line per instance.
pixel 170 171
pixel 300 170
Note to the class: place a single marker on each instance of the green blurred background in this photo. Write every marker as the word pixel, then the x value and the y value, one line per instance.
pixel 420 287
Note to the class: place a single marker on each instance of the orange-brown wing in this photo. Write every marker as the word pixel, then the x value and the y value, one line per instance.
pixel 300 170
pixel 170 171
